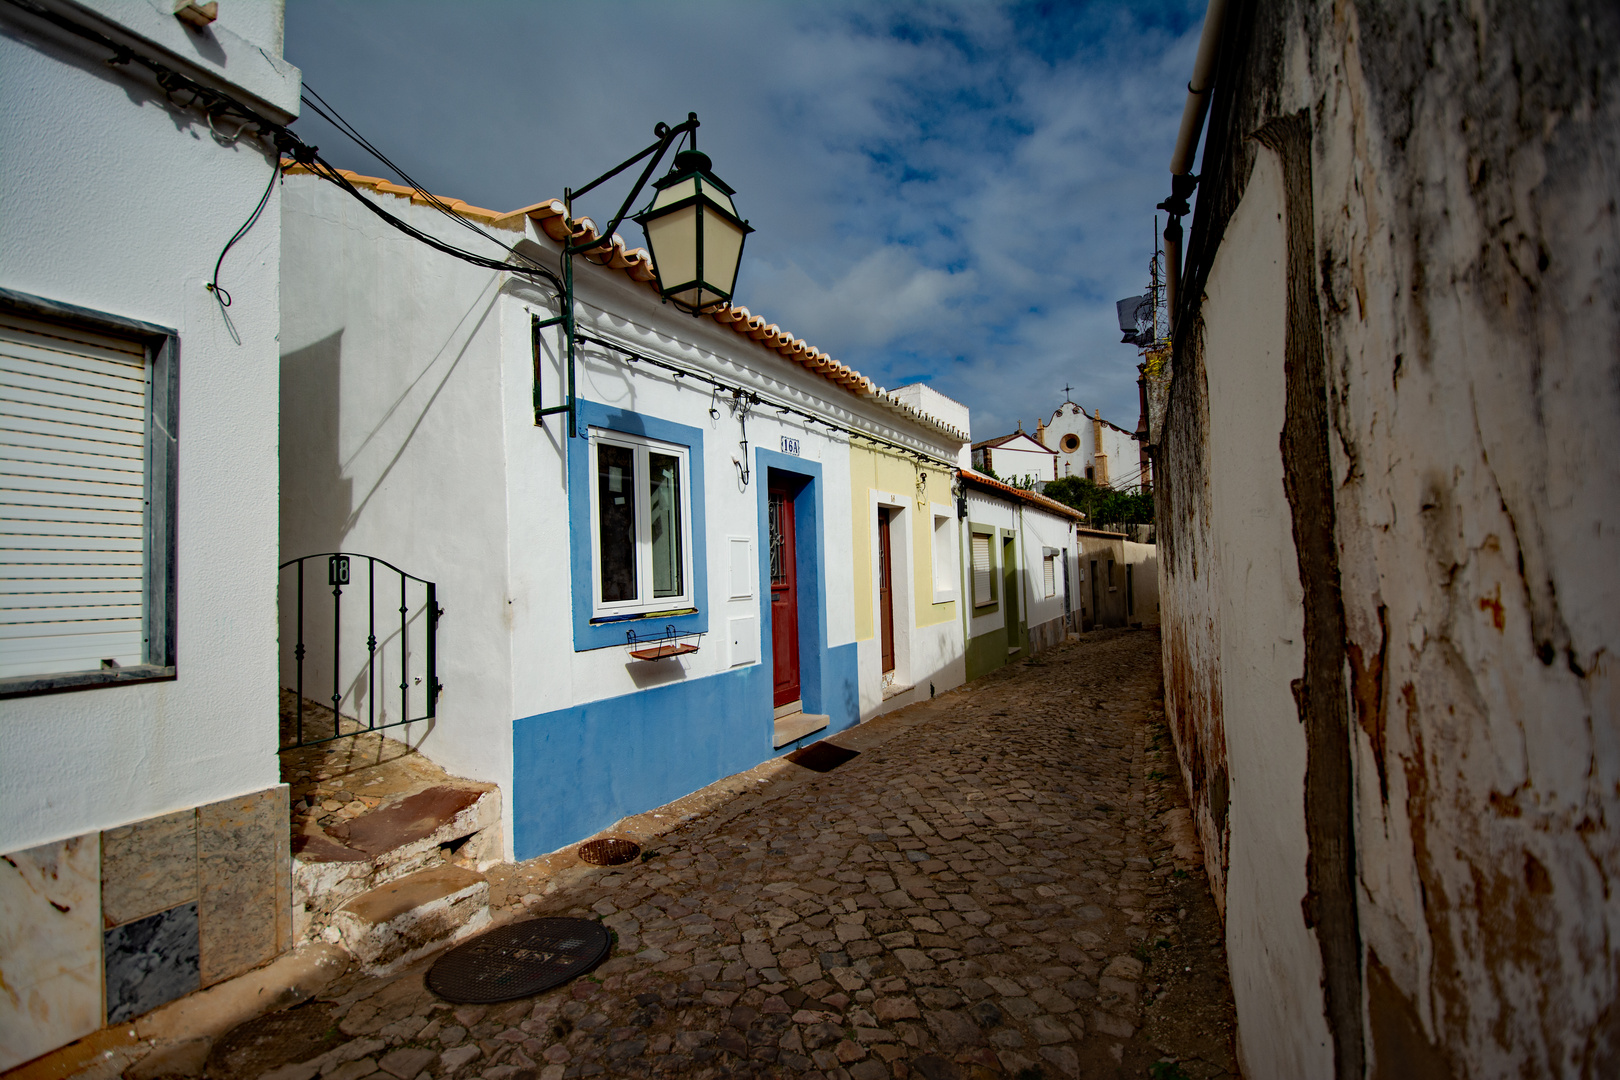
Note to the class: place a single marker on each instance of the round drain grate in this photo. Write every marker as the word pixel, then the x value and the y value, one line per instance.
pixel 519 960
pixel 609 852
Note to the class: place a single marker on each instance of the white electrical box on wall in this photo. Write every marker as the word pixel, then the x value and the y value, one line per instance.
pixel 742 567
pixel 744 640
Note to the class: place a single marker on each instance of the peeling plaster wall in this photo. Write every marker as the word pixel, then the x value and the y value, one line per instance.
pixel 1464 271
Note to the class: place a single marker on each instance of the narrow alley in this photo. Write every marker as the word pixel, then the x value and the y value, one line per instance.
pixel 992 887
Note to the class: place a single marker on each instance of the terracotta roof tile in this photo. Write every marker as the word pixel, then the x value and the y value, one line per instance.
pixel 550 216
pixel 1035 498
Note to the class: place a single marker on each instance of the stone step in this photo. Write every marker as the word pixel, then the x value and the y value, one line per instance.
pixel 441 825
pixel 394 924
pixel 795 726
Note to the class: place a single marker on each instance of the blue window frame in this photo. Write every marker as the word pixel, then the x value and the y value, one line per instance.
pixel 636 590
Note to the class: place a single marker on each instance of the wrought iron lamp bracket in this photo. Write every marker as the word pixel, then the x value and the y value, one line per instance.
pixel 665 136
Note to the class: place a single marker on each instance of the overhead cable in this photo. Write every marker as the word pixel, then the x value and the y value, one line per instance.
pixel 217 104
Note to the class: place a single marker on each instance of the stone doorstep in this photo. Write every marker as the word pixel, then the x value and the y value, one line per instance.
pixel 397 923
pixel 796 726
pixel 896 691
pixel 390 843
pixel 439 815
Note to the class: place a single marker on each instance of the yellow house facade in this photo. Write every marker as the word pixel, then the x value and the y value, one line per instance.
pixel 905 551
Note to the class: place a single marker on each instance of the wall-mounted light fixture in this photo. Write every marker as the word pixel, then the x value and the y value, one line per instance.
pixel 693 233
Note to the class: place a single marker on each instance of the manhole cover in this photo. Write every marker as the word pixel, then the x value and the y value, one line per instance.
pixel 259 1046
pixel 519 960
pixel 609 852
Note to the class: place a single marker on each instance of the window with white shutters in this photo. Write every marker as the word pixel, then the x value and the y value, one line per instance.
pixel 1049 573
pixel 83 571
pixel 983 578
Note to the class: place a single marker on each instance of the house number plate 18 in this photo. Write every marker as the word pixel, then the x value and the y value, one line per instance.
pixel 790 446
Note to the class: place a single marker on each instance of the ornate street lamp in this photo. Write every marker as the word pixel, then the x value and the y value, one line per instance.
pixel 693 233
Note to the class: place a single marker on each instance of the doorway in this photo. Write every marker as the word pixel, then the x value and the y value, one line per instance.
pixel 1010 591
pixel 885 589
pixel 1096 612
pixel 1068 601
pixel 784 596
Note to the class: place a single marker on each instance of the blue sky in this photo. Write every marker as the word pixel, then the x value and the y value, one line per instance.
pixel 953 193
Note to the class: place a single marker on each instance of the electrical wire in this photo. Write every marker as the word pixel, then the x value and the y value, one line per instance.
pixel 219 291
pixel 325 111
pixel 217 104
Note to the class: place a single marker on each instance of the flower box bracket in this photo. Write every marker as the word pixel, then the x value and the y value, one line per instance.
pixel 644 646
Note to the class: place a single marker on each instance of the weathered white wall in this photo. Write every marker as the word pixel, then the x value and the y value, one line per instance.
pixel 117 202
pixel 1276 970
pixel 1461 245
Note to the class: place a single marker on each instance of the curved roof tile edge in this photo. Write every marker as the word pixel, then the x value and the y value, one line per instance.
pixel 1033 497
pixel 636 263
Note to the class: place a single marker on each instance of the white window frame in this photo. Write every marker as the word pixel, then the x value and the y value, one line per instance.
pixel 946 574
pixel 1049 575
pixel 645 603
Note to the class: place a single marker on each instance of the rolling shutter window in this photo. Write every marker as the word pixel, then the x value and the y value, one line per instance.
pixel 1050 571
pixel 73 500
pixel 982 593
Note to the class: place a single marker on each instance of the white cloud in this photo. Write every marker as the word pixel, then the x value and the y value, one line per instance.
pixel 951 190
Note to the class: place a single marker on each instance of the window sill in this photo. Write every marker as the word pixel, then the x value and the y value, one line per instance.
pixel 632 616
pixel 28 685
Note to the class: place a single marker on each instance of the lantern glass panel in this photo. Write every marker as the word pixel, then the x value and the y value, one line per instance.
pixel 722 250
pixel 689 187
pixel 673 239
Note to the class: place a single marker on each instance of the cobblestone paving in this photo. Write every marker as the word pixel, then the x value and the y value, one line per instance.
pixel 988 890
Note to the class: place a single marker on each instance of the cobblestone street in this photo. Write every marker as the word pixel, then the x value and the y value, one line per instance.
pixel 992 888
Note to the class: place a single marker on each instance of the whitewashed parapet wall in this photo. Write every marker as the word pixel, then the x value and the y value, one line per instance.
pixel 1415 211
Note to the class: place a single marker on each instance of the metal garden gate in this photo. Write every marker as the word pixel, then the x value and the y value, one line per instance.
pixel 374 656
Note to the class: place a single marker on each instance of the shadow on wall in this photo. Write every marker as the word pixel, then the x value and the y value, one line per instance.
pixel 316 498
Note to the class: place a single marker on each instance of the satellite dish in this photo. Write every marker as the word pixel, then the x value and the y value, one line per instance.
pixel 1133 311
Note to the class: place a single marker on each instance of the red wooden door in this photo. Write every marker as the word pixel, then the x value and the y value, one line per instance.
pixel 885 590
pixel 784 598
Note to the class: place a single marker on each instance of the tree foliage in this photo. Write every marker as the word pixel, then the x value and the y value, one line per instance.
pixel 1102 504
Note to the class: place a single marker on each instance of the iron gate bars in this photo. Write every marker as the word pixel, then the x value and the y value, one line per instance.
pixel 338 575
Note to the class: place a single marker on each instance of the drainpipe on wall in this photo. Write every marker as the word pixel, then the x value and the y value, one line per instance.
pixel 1182 180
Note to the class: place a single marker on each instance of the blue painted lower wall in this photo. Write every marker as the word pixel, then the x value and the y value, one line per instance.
pixel 578 770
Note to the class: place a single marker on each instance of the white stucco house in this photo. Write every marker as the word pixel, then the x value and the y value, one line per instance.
pixel 1019 457
pixel 143 827
pixel 661 597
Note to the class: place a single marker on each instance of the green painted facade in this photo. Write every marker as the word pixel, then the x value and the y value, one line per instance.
pixel 1001 646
